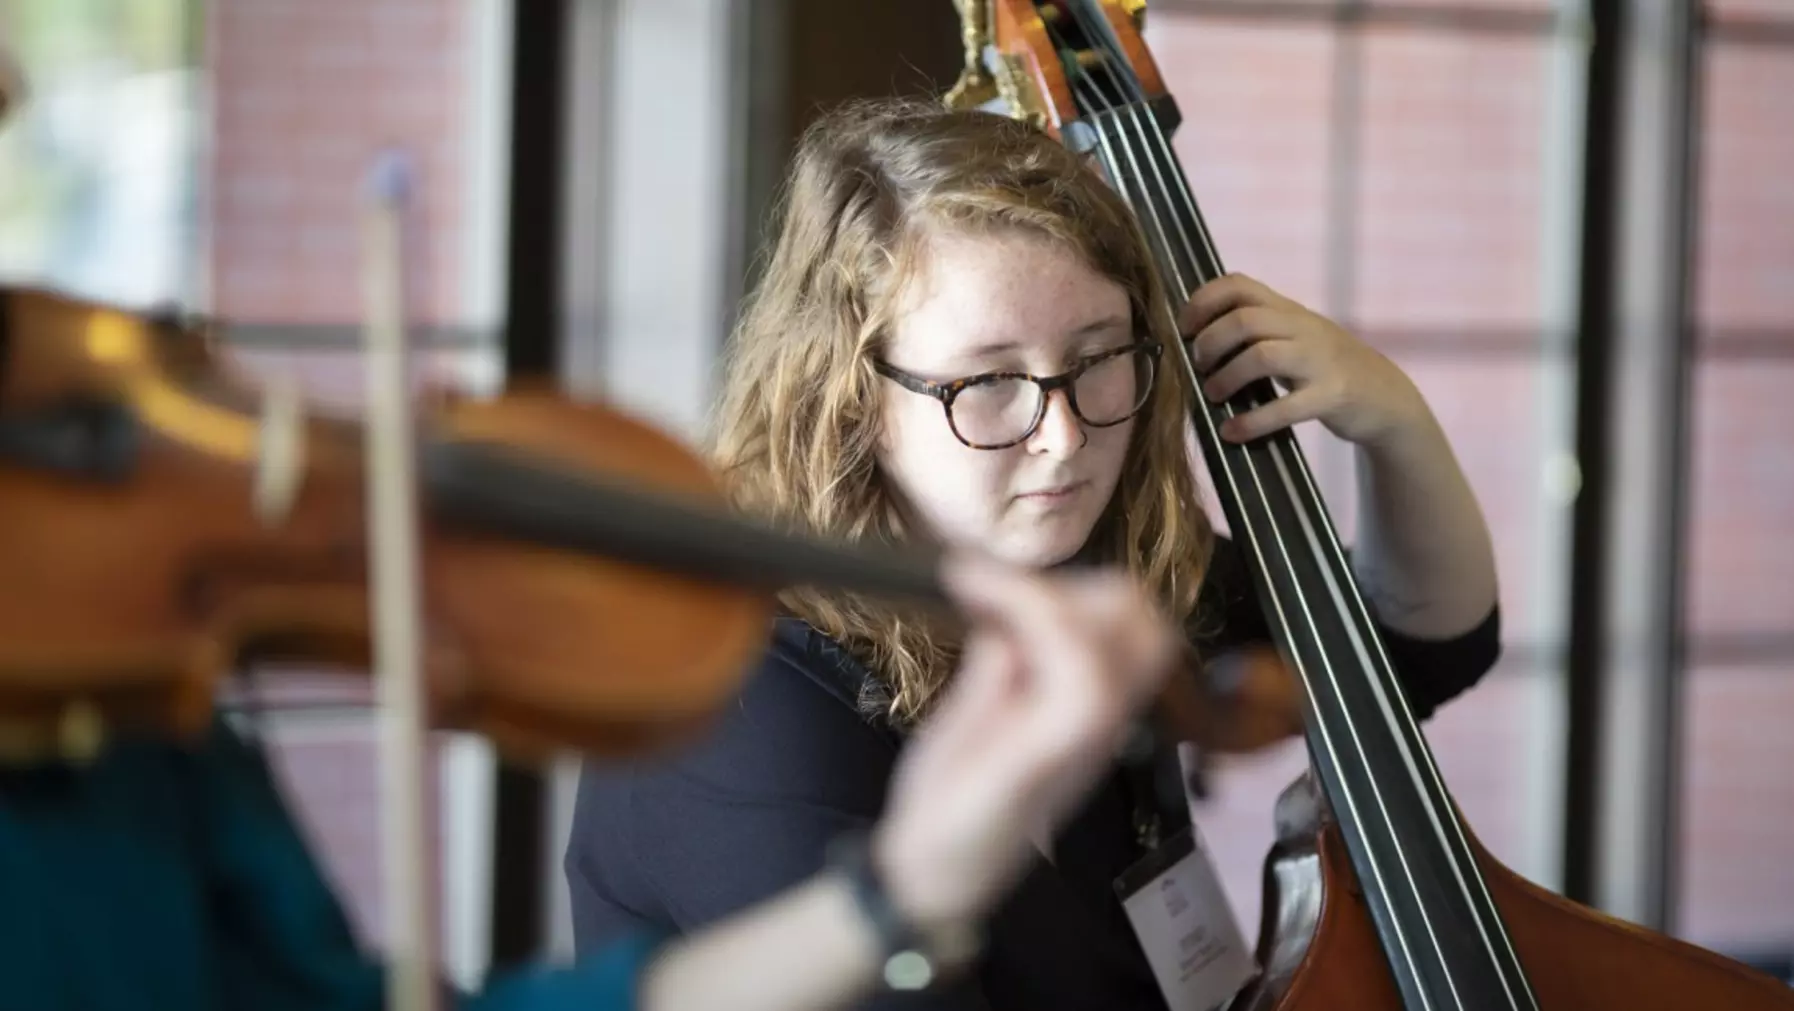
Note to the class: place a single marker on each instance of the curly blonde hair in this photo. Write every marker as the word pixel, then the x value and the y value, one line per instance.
pixel 796 428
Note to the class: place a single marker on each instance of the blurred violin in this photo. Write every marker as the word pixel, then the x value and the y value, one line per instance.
pixel 1377 894
pixel 553 575
pixel 583 585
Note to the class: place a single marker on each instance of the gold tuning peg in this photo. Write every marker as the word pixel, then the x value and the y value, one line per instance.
pixel 975 85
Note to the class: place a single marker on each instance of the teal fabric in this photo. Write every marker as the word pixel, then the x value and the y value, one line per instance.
pixel 164 877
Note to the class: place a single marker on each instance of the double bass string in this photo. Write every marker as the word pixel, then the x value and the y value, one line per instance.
pixel 1473 889
pixel 1266 528
pixel 1131 101
pixel 1096 108
pixel 1395 710
pixel 1133 118
pixel 1127 113
pixel 1404 720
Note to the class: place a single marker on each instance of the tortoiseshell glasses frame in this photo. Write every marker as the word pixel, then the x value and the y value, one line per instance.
pixel 949 391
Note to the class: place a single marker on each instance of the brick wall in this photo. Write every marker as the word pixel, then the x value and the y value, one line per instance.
pixel 1737 817
pixel 305 97
pixel 1447 225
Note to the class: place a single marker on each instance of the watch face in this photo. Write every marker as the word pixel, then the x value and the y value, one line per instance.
pixel 914 960
pixel 909 970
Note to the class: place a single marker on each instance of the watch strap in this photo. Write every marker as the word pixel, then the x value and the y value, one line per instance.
pixel 913 960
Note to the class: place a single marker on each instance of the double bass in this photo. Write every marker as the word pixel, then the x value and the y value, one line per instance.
pixel 1378 894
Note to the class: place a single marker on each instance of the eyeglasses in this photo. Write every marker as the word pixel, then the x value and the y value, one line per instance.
pixel 995 410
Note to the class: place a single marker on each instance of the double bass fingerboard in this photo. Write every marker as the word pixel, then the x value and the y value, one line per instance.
pixel 1431 907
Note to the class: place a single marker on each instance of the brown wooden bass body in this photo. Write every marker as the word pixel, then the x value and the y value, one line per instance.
pixel 1318 950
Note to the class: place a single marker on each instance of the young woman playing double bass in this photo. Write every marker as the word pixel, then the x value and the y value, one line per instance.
pixel 952 344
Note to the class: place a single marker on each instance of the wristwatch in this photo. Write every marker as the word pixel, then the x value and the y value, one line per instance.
pixel 914 960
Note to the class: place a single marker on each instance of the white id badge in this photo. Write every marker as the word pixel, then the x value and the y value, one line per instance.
pixel 1185 925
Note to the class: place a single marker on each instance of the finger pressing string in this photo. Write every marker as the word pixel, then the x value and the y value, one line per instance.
pixel 1280 359
pixel 1219 297
pixel 1241 328
pixel 1301 405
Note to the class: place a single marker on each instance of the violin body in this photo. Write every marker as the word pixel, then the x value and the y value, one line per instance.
pixel 1377 894
pixel 161 526
pixel 584 586
pixel 1317 948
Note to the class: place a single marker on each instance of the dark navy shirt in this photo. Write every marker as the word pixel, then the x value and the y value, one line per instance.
pixel 677 842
